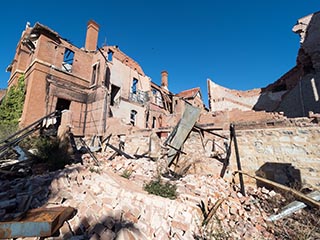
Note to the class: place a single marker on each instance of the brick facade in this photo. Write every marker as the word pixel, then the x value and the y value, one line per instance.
pixel 94 84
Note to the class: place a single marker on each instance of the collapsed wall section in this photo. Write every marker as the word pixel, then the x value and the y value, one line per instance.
pixel 286 155
pixel 223 99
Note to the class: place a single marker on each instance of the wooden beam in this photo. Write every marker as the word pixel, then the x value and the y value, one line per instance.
pixel 298 195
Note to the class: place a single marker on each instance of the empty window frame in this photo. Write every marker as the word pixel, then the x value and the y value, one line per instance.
pixel 110 56
pixel 157 97
pixel 115 95
pixel 134 86
pixel 68 58
pixel 107 77
pixel 133 115
pixel 95 74
pixel 154 122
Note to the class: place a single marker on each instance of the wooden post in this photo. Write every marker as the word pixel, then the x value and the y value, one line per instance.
pixel 233 134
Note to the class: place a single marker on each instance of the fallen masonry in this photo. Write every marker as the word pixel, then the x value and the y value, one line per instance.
pixel 112 207
pixel 144 135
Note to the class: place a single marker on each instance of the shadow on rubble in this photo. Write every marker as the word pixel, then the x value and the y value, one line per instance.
pixel 110 227
pixel 283 173
pixel 28 183
pixel 20 194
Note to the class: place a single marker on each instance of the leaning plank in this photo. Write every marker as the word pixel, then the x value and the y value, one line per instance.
pixel 298 195
pixel 293 207
pixel 89 151
pixel 177 138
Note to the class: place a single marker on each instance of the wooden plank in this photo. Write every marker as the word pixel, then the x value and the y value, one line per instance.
pixel 119 151
pixel 298 195
pixel 186 123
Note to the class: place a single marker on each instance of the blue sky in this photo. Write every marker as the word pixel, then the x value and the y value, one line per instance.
pixel 238 44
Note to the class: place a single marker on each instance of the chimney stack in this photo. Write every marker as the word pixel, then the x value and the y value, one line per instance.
pixel 164 79
pixel 92 36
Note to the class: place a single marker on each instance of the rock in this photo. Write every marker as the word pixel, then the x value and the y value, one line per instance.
pixel 107 235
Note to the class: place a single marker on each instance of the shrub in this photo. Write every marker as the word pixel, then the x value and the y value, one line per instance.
pixel 166 190
pixel 6 130
pixel 94 170
pixel 126 173
pixel 53 152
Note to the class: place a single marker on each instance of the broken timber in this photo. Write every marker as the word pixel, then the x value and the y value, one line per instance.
pixel 298 195
pixel 119 151
pixel 89 151
pixel 17 137
pixel 177 137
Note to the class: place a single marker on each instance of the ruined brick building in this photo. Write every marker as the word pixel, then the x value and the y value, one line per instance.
pixel 104 85
pixel 94 84
pixel 295 94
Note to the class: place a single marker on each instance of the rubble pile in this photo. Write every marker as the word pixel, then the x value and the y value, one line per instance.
pixel 20 194
pixel 110 206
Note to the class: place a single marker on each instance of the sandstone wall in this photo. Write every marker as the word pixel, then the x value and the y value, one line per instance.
pixel 283 155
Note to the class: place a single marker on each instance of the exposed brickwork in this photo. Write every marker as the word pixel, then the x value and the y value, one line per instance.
pixel 92 36
pixel 123 58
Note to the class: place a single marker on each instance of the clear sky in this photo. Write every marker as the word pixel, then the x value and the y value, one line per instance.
pixel 238 44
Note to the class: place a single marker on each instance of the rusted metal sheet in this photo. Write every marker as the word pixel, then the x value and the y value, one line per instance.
pixel 40 222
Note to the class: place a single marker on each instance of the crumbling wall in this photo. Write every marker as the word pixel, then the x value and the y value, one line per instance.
pixel 123 112
pixel 222 99
pixel 303 98
pixel 137 142
pixel 290 156
pixel 122 74
pixel 282 153
pixel 96 113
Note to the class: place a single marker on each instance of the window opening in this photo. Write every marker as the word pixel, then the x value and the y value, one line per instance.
pixel 133 115
pixel 107 78
pixel 110 56
pixel 95 74
pixel 154 122
pixel 68 58
pixel 134 86
pixel 114 95
pixel 154 91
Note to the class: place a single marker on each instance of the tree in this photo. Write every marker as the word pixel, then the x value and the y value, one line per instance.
pixel 12 105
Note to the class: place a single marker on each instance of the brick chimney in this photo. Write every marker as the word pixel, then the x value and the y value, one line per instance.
pixel 164 79
pixel 92 36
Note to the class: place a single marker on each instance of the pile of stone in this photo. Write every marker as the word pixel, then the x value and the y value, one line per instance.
pixel 110 206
